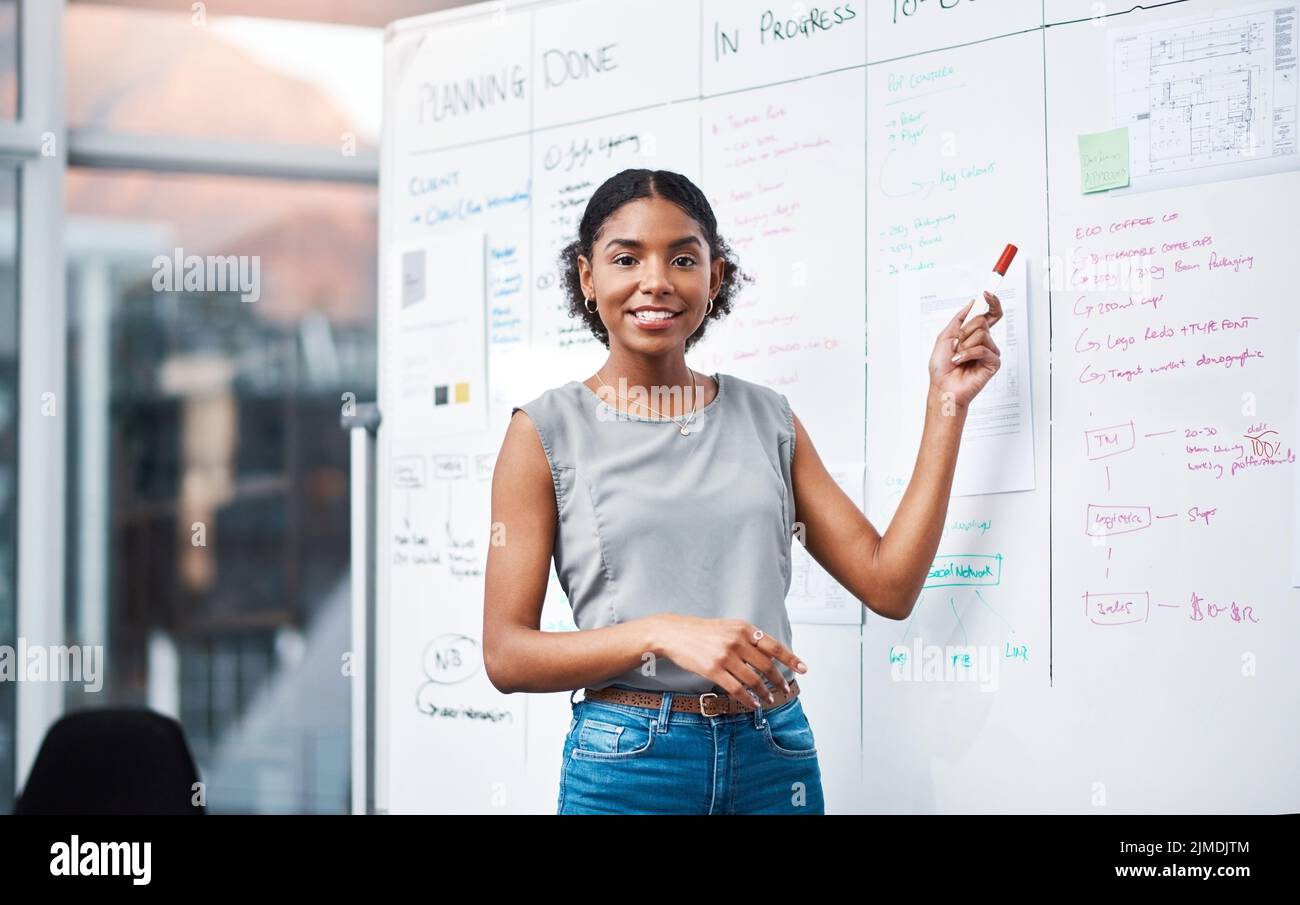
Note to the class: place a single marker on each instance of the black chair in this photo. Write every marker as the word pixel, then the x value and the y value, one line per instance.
pixel 112 761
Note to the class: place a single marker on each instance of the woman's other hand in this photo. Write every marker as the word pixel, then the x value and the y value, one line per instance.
pixel 732 653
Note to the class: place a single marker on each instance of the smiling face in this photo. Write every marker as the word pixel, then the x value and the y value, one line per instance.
pixel 650 256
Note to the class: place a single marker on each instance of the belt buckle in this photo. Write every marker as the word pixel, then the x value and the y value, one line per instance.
pixel 708 694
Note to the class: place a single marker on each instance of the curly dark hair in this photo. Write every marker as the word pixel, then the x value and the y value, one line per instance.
pixel 630 185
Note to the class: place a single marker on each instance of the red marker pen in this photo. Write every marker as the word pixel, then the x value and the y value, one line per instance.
pixel 995 283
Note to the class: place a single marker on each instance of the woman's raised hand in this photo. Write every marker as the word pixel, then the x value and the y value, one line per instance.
pixel 965 358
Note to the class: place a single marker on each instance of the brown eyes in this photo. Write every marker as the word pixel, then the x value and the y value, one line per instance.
pixel 687 258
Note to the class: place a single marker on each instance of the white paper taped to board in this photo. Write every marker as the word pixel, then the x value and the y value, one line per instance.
pixel 815 597
pixel 997 446
pixel 440 369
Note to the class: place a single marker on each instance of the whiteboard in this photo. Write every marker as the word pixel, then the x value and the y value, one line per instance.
pixel 1110 638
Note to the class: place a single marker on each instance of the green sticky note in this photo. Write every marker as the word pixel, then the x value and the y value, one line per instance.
pixel 1103 160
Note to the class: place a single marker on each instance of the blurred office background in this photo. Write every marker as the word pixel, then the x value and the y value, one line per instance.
pixel 225 128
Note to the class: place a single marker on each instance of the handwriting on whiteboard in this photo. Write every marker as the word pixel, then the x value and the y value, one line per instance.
pixel 905 9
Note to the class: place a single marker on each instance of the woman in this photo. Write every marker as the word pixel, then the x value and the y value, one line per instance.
pixel 667 499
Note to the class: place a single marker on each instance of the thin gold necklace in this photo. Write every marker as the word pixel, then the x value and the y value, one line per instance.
pixel 684 426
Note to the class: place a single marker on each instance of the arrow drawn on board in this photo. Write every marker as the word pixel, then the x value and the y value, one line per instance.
pixel 952 604
pixel 993 611
pixel 450 496
pixel 917 186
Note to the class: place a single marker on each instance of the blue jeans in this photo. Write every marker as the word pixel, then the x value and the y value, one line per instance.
pixel 620 759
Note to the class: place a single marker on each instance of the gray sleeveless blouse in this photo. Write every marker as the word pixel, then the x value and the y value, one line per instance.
pixel 653 522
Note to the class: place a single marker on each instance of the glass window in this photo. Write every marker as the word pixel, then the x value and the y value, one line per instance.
pixel 8 59
pixel 232 78
pixel 372 13
pixel 8 470
pixel 216 328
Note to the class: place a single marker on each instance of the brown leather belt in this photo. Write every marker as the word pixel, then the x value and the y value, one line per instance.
pixel 707 704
